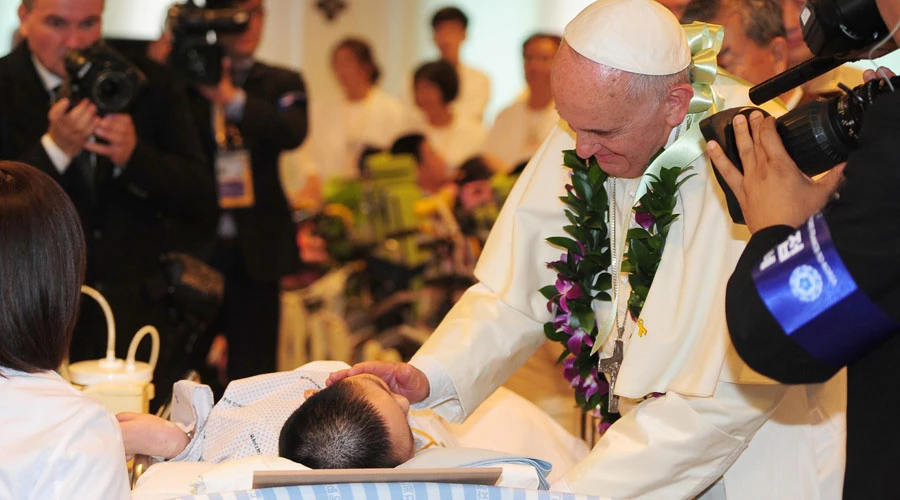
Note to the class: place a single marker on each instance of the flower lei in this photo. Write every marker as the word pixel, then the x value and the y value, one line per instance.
pixel 583 270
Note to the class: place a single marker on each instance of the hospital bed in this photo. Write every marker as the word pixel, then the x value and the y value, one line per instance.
pixel 505 422
pixel 391 491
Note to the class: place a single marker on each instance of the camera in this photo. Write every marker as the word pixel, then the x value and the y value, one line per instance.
pixel 822 133
pixel 196 53
pixel 103 76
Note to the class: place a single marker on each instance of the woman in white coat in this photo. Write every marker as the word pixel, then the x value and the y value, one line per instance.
pixel 56 442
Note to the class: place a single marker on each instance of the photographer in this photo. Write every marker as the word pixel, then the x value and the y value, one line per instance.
pixel 856 328
pixel 133 176
pixel 246 121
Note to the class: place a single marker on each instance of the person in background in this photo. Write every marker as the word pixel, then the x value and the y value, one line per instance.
pixel 695 421
pixel 365 117
pixel 431 169
pixel 56 441
pixel 755 47
pixel 675 6
pixel 826 85
pixel 521 127
pixel 246 121
pixel 136 177
pixel 449 25
pixel 454 136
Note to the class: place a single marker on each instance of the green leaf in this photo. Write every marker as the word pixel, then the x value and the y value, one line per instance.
pixel 567 243
pixel 548 291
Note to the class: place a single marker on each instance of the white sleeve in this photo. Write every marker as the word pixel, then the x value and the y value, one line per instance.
pixel 91 464
pixel 59 158
pixel 191 406
pixel 674 446
pixel 480 343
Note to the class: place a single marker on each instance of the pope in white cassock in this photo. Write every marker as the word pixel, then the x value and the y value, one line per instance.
pixel 696 421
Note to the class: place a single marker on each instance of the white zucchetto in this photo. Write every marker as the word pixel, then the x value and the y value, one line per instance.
pixel 638 36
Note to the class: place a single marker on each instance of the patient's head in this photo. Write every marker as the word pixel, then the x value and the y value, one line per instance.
pixel 41 269
pixel 355 423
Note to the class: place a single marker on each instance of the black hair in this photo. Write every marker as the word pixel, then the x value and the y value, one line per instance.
pixel 443 75
pixel 363 53
pixel 473 169
pixel 449 14
pixel 337 428
pixel 409 144
pixel 42 259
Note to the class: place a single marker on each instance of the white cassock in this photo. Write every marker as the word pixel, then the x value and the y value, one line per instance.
pixel 702 428
pixel 518 132
pixel 474 92
pixel 343 129
pixel 57 442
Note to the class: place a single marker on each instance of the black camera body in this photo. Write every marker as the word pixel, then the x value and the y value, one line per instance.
pixel 103 76
pixel 822 133
pixel 196 54
pixel 817 135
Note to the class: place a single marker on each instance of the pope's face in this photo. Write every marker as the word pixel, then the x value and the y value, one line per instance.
pixel 621 133
pixel 53 27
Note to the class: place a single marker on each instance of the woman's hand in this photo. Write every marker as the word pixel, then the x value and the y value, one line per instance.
pixel 147 434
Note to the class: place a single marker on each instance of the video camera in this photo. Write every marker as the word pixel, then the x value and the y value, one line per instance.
pixel 822 133
pixel 196 53
pixel 103 76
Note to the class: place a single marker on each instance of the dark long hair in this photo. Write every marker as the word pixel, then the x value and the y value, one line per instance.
pixel 42 261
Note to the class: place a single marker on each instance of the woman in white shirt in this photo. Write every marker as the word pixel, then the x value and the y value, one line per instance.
pixel 56 442
pixel 455 137
pixel 365 117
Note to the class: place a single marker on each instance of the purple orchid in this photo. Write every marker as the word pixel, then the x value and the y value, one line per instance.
pixel 579 337
pixel 644 219
pixel 568 290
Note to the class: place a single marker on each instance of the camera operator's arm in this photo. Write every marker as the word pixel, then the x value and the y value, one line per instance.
pixel 271 110
pixel 167 166
pixel 865 238
pixel 772 190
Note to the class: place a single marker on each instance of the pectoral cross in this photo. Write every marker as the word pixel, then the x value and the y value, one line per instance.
pixel 610 366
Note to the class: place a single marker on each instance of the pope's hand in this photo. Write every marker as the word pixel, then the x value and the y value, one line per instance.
pixel 402 378
pixel 772 190
pixel 147 434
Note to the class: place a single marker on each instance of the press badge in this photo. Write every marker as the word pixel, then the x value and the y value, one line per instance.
pixel 805 285
pixel 234 179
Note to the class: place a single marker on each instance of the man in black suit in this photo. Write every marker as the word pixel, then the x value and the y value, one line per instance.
pixel 840 303
pixel 143 174
pixel 255 113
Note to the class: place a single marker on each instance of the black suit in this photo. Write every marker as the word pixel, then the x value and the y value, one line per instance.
pixel 129 218
pixel 866 233
pixel 274 120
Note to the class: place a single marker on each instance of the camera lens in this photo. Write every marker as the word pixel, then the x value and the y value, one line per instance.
pixel 112 92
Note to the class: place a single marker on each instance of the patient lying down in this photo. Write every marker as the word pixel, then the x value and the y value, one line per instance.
pixel 357 424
